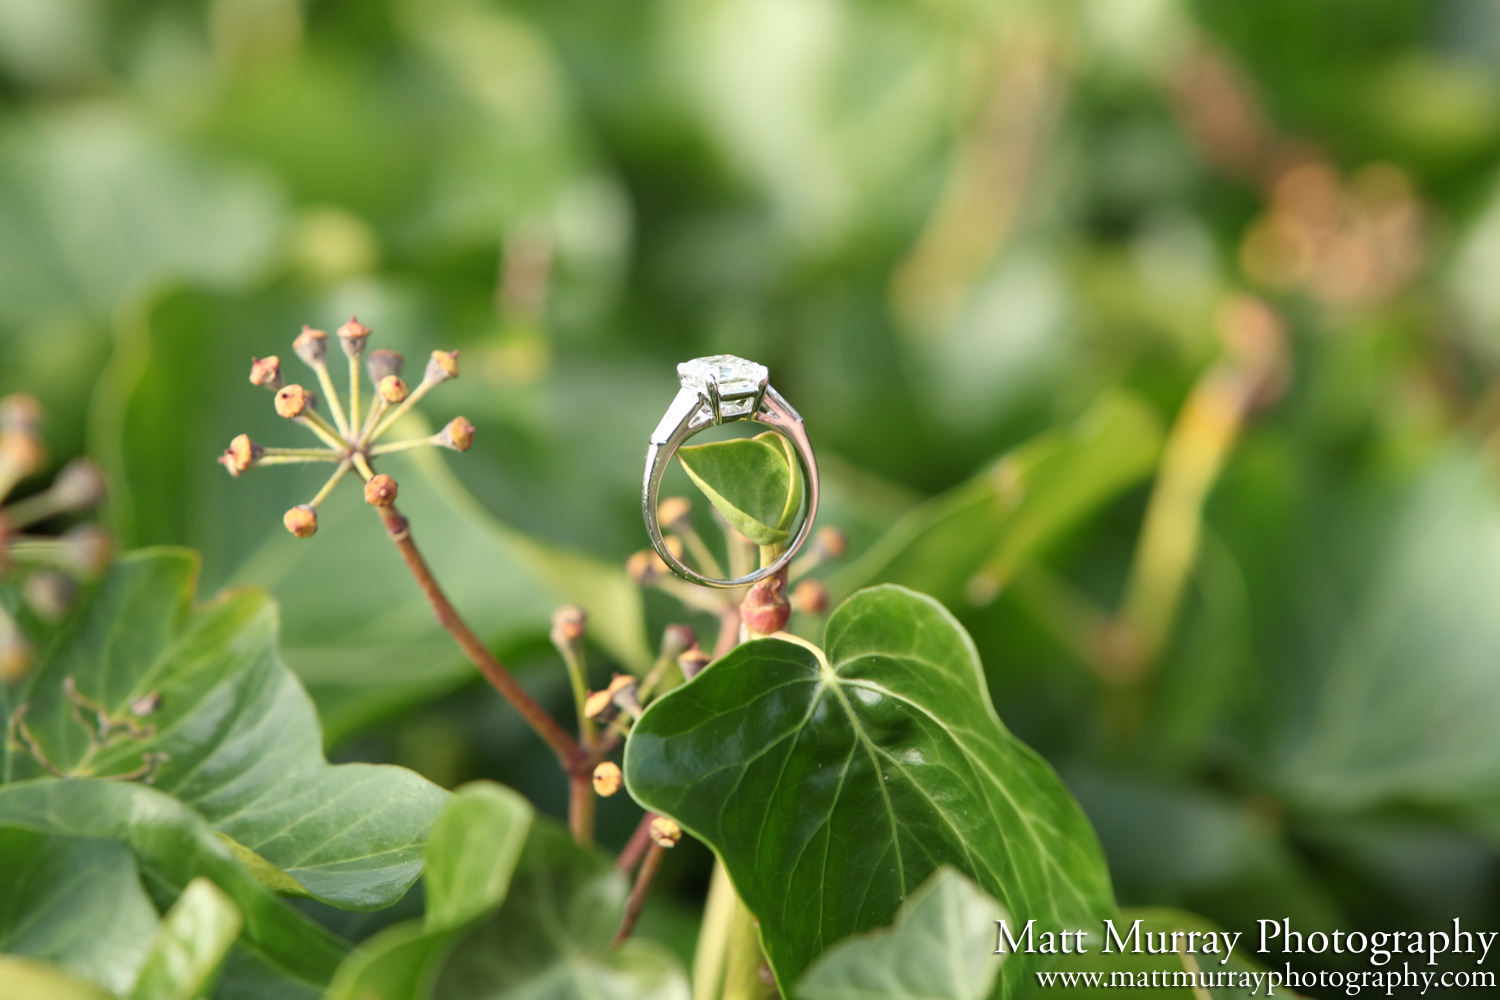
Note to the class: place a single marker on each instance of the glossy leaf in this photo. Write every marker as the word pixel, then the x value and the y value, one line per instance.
pixel 75 903
pixel 197 699
pixel 550 940
pixel 172 846
pixel 191 943
pixel 994 523
pixel 755 483
pixel 832 784
pixel 356 629
pixel 941 947
pixel 471 856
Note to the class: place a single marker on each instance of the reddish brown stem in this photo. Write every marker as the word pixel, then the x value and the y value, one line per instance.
pixel 636 846
pixel 581 806
pixel 729 631
pixel 638 893
pixel 536 716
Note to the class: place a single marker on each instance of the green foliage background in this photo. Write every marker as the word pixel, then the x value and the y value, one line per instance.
pixel 947 227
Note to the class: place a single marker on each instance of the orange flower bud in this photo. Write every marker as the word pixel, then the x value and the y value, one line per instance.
pixel 607 778
pixel 301 520
pixel 353 336
pixel 810 597
pixel 442 366
pixel 380 491
pixel 266 372
pixel 458 435
pixel 291 401
pixel 392 389
pixel 765 608
pixel 664 832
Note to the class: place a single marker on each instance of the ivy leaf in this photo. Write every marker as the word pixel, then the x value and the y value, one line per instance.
pixel 993 524
pixel 172 845
pixel 941 947
pixel 191 944
pixel 471 856
pixel 832 785
pixel 75 903
pixel 754 482
pixel 196 699
pixel 550 941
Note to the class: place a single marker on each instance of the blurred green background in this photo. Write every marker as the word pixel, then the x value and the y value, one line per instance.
pixel 1269 232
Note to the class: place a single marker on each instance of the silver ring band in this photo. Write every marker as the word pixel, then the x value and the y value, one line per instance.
pixel 696 408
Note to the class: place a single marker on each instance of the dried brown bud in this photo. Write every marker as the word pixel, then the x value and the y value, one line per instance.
pixel 442 366
pixel 384 362
pixel 15 654
pixel 832 543
pixel 664 832
pixel 241 454
pixel 352 337
pixel 595 704
pixel 380 491
pixel 392 389
pixel 90 549
pixel 607 778
pixel 301 520
pixel 49 594
pixel 676 640
pixel 311 346
pixel 266 372
pixel 458 435
pixel 568 623
pixel 673 510
pixel 692 662
pixel 21 412
pixel 146 704
pixel 292 401
pixel 80 484
pixel 645 565
pixel 765 608
pixel 810 597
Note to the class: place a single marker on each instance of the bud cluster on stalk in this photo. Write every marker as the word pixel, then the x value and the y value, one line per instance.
pixel 349 428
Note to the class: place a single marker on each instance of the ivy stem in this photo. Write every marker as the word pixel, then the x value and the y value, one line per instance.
pixel 580 806
pixel 569 754
pixel 638 893
pixel 635 847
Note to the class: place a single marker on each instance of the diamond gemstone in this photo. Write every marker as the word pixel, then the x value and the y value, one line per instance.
pixel 736 376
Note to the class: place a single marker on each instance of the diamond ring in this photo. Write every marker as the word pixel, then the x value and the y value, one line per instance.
pixel 719 390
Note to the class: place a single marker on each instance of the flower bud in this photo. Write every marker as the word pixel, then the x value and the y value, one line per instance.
pixel 21 412
pixel 692 662
pixel 22 450
pixel 673 510
pixel 595 704
pixel 442 366
pixel 645 565
pixel 380 491
pixel 765 608
pixel 664 832
pixel 607 779
pixel 240 455
pixel 384 362
pixel 311 346
pixel 49 594
pixel 810 597
pixel 301 520
pixel 266 372
pixel 392 389
pixel 292 401
pixel 352 337
pixel 90 549
pixel 80 484
pixel 15 653
pixel 458 435
pixel 676 640
pixel 568 624
pixel 832 542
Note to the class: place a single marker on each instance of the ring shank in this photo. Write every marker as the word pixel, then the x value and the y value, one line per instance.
pixel 685 418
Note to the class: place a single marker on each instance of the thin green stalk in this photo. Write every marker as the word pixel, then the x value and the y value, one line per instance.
pixel 334 406
pixel 353 394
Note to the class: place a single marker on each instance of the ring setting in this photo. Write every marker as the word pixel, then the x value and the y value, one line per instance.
pixel 715 390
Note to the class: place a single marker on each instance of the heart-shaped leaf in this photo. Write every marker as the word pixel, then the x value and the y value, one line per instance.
pixel 832 785
pixel 550 940
pixel 755 483
pixel 75 903
pixel 991 525
pixel 195 700
pixel 941 947
pixel 191 943
pixel 471 857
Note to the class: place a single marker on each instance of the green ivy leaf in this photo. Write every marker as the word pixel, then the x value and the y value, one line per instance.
pixel 550 940
pixel 471 856
pixel 232 735
pixel 996 522
pixel 75 903
pixel 172 845
pixel 941 947
pixel 832 786
pixel 191 944
pixel 755 483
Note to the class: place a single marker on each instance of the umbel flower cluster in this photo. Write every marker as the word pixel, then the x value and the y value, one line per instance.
pixel 351 436
pixel 50 565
